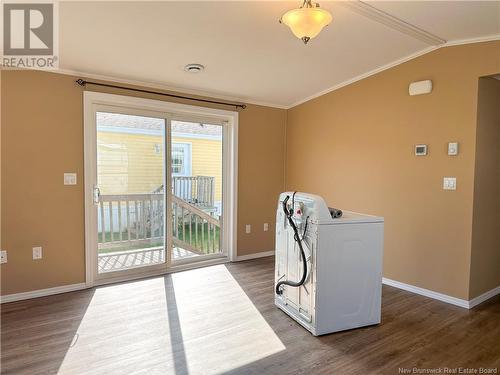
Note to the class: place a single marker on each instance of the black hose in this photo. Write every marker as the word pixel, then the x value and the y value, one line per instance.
pixel 296 237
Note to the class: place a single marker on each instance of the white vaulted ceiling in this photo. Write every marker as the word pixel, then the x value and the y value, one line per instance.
pixel 248 55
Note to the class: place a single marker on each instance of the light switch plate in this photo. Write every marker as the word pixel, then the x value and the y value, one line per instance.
pixel 3 256
pixel 453 148
pixel 450 183
pixel 266 227
pixel 37 252
pixel 248 228
pixel 70 179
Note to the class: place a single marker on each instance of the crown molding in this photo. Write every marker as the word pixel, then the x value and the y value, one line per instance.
pixel 366 75
pixel 480 39
pixel 393 22
pixel 161 86
pixel 394 63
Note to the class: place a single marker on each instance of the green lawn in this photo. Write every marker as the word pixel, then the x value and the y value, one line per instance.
pixel 202 231
pixel 184 234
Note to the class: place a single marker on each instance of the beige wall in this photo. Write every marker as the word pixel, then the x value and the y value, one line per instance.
pixel 485 257
pixel 260 177
pixel 354 146
pixel 42 137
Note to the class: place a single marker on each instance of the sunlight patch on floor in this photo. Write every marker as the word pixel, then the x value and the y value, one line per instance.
pixel 198 321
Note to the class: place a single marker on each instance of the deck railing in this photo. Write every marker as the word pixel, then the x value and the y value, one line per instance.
pixel 194 229
pixel 130 218
pixel 134 221
pixel 197 190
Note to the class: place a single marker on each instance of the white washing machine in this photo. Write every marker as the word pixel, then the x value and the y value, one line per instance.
pixel 343 284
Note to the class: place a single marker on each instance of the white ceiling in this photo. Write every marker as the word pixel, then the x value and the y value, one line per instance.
pixel 450 20
pixel 248 55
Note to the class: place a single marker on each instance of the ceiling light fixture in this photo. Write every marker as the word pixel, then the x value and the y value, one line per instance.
pixel 307 21
pixel 194 68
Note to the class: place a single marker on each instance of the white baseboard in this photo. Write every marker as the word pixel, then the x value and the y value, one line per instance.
pixel 483 297
pixel 41 292
pixel 396 284
pixel 262 254
pixel 426 292
pixel 72 287
pixel 443 297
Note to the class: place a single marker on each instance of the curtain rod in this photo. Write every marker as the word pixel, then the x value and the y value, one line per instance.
pixel 82 82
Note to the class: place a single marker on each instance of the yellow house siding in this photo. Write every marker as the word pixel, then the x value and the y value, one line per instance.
pixel 206 160
pixel 129 163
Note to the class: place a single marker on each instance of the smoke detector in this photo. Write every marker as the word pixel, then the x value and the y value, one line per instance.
pixel 194 68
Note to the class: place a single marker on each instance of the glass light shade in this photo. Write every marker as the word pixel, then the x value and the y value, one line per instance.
pixel 306 23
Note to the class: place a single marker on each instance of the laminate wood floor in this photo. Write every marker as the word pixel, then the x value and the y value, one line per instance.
pixel 222 320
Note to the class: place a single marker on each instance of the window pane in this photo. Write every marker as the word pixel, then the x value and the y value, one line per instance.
pixel 130 175
pixel 197 181
pixel 178 158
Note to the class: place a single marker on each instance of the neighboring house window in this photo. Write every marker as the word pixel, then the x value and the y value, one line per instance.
pixel 181 159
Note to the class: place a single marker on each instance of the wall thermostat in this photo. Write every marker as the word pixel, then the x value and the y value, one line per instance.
pixel 420 150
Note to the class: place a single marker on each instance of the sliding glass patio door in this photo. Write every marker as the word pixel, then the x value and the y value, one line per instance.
pixel 197 189
pixel 155 191
pixel 130 191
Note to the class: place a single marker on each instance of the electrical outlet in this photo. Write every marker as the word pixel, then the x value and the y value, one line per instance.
pixel 3 256
pixel 248 228
pixel 266 227
pixel 37 253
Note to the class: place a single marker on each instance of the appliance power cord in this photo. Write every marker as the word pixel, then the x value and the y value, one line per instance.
pixel 297 239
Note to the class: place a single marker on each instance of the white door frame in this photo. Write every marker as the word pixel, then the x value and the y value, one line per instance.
pixel 168 111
